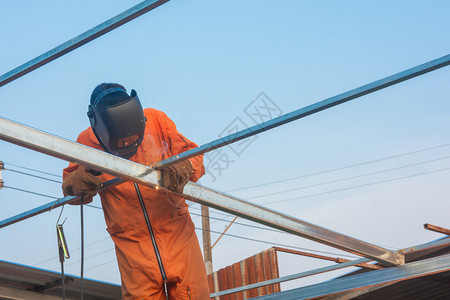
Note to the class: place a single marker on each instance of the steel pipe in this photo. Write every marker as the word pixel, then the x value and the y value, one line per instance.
pixel 81 39
pixel 311 109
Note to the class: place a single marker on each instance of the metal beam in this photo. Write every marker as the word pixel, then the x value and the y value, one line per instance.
pixel 404 272
pixel 54 204
pixel 86 156
pixel 81 39
pixel 311 109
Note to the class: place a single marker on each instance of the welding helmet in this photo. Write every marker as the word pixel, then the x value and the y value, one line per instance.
pixel 117 120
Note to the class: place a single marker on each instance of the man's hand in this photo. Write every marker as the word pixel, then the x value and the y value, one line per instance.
pixel 81 183
pixel 176 176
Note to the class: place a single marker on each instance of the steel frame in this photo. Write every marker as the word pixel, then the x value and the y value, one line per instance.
pixel 64 149
pixel 86 156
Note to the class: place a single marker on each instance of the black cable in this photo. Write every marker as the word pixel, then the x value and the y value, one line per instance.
pixel 152 238
pixel 61 254
pixel 82 248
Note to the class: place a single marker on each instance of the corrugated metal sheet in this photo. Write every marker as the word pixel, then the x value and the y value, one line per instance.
pixel 436 286
pixel 260 267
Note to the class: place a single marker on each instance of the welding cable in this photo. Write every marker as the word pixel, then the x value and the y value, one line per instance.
pixel 61 254
pixel 152 238
pixel 82 248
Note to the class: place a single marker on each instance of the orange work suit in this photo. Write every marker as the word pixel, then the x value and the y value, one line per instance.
pixel 169 217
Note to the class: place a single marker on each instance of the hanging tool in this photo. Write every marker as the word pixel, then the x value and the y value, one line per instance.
pixel 63 250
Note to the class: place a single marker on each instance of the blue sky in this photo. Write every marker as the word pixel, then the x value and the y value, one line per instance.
pixel 203 63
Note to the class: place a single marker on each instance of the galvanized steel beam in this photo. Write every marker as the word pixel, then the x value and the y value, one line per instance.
pixel 81 39
pixel 86 156
pixel 311 109
pixel 407 271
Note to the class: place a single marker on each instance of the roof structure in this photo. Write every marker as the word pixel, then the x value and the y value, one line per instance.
pixel 23 282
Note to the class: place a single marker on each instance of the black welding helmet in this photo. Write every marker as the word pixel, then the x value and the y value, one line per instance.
pixel 118 121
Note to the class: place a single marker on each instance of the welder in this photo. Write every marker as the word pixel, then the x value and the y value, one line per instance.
pixel 156 246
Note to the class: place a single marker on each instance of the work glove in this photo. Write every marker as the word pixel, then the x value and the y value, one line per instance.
pixel 176 176
pixel 81 183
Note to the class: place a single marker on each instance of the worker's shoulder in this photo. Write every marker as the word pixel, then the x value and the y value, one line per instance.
pixel 154 113
pixel 87 137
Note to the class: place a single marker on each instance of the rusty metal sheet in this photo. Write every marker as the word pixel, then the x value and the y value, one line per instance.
pixel 260 267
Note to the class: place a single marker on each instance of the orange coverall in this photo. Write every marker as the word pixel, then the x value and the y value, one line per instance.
pixel 169 217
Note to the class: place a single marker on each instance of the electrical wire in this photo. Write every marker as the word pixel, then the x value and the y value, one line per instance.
pixel 30 169
pixel 349 178
pixel 36 176
pixel 243 224
pixel 358 186
pixel 254 240
pixel 30 192
pixel 87 258
pixel 276 244
pixel 74 250
pixel 340 168
pixel 102 264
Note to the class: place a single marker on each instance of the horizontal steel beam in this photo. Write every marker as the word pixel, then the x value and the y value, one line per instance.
pixel 407 271
pixel 81 39
pixel 311 109
pixel 86 156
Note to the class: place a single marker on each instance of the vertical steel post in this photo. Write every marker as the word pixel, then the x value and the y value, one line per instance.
pixel 207 249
